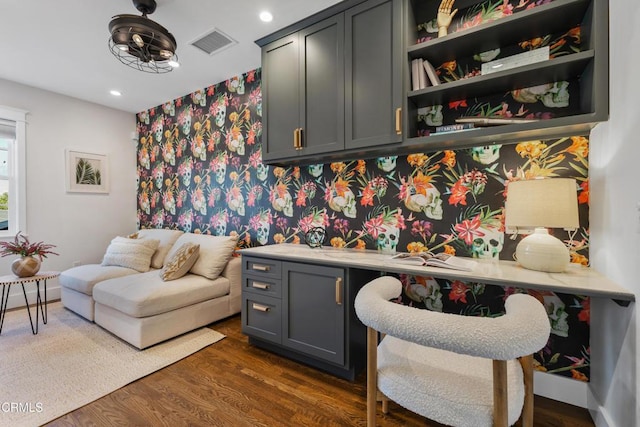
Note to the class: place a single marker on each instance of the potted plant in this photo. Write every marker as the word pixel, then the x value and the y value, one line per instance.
pixel 31 254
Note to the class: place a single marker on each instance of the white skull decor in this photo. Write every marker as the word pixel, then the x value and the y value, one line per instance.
pixel 315 170
pixel 158 128
pixel 429 203
pixel 487 154
pixel 345 204
pixel 557 315
pixel 284 204
pixel 428 293
pixel 186 173
pixel 387 241
pixel 488 244
pixel 262 172
pixel 220 170
pixel 221 113
pixel 262 233
pixel 387 164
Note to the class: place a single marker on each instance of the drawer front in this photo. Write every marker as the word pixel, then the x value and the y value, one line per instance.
pixel 262 285
pixel 261 267
pixel 262 317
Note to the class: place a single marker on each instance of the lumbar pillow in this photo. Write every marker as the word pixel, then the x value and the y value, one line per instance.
pixel 131 253
pixel 180 262
pixel 215 252
pixel 166 237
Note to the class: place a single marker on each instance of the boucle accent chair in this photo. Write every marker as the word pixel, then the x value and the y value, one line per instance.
pixel 453 369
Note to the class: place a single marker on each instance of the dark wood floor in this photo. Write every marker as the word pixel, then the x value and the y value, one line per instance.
pixel 234 384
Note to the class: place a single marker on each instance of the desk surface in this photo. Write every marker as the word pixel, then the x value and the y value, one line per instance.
pixel 576 280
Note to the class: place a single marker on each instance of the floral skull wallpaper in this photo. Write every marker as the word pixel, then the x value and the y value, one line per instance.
pixel 200 170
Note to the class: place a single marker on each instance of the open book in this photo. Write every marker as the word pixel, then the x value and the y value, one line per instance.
pixel 437 260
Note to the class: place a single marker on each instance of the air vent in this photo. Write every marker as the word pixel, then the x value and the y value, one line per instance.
pixel 213 42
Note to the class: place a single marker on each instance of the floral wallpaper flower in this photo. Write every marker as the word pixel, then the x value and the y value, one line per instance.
pixel 200 170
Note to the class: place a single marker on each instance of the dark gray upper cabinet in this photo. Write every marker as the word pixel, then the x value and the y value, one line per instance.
pixel 373 80
pixel 303 92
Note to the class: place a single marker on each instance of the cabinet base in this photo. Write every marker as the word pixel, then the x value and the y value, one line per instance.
pixel 339 371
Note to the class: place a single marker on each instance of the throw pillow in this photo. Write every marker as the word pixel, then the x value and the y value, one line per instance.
pixel 167 239
pixel 215 252
pixel 181 261
pixel 131 253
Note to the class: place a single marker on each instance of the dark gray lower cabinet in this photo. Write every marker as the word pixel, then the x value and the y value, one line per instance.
pixel 306 313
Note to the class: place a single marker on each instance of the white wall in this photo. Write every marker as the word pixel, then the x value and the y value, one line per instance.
pixel 80 225
pixel 615 227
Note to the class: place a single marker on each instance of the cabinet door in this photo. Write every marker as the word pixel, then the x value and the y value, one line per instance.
pixel 373 52
pixel 322 86
pixel 313 315
pixel 280 92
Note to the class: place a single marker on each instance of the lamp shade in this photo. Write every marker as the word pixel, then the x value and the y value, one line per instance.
pixel 538 204
pixel 549 202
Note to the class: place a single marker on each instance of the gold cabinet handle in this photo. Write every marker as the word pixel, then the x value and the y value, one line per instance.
pixel 260 285
pixel 299 130
pixel 260 267
pixel 339 290
pixel 296 143
pixel 399 121
pixel 260 307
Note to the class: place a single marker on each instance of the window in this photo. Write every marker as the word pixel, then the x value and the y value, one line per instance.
pixel 12 172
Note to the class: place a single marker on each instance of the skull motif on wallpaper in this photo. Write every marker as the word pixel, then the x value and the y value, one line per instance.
pixel 235 143
pixel 487 154
pixel 552 95
pixel 236 84
pixel 316 170
pixel 432 115
pixel 284 204
pixel 557 315
pixel 388 237
pixel 220 111
pixel 426 290
pixel 220 170
pixel 262 231
pixel 236 203
pixel 430 202
pixel 387 164
pixel 262 172
pixel 488 244
pixel 345 203
pixel 219 222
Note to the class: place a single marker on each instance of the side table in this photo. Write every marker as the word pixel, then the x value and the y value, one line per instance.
pixel 7 281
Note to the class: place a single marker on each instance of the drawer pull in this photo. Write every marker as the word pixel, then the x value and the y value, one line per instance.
pixel 339 290
pixel 399 121
pixel 296 143
pixel 299 139
pixel 260 307
pixel 260 267
pixel 260 285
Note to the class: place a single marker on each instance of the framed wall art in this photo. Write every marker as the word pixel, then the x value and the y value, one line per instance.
pixel 87 172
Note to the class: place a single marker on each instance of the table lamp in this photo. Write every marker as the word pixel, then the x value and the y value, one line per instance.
pixel 535 205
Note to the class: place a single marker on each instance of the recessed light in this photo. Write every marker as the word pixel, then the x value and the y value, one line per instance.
pixel 173 63
pixel 266 16
pixel 115 92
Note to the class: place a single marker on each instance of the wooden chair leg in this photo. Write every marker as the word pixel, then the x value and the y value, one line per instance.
pixel 372 371
pixel 500 403
pixel 527 410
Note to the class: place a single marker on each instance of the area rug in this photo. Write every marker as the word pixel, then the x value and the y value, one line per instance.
pixel 72 362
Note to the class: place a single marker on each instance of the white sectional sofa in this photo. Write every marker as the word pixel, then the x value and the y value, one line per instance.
pixel 140 306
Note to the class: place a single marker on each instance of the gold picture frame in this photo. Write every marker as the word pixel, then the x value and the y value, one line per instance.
pixel 87 172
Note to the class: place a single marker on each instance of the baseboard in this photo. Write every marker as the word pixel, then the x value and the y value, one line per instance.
pixel 16 299
pixel 599 413
pixel 559 388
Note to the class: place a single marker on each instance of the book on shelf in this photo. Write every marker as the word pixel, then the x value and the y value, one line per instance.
pixel 454 128
pixel 492 121
pixel 419 79
pixel 431 73
pixel 531 57
pixel 442 260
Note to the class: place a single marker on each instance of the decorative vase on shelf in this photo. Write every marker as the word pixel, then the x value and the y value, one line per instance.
pixel 26 266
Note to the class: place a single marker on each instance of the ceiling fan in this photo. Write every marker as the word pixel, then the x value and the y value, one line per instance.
pixel 141 43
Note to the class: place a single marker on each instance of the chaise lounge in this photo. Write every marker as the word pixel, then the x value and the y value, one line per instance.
pixel 157 285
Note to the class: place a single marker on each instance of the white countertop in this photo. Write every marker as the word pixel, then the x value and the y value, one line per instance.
pixel 577 279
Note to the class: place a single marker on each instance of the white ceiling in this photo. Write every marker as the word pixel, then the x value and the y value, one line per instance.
pixel 61 46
